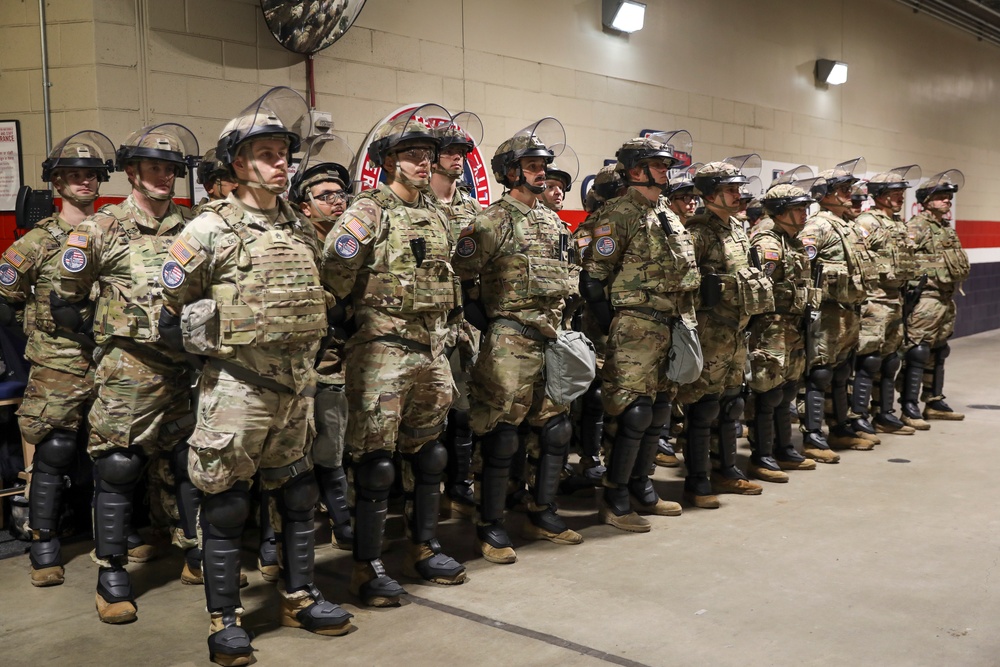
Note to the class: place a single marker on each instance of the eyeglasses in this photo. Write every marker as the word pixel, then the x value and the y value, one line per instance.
pixel 416 155
pixel 331 196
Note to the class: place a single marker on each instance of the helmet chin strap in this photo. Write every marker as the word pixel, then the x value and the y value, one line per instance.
pixel 316 209
pixel 259 184
pixel 533 189
pixel 155 196
pixel 80 202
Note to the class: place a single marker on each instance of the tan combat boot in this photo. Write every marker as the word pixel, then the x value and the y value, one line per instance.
pixel 843 436
pixel 703 501
pixel 807 464
pixel 375 588
pixel 228 644
pixel 821 455
pixel 426 561
pixel 494 543
pixel 742 487
pixel 318 616
pixel 938 409
pixel 767 475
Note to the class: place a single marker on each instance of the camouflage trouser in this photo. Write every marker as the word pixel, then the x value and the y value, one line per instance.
pixel 834 335
pixel 53 399
pixel 932 320
pixel 397 398
pixel 331 425
pixel 777 352
pixel 460 371
pixel 636 361
pixel 725 352
pixel 881 327
pixel 243 427
pixel 143 402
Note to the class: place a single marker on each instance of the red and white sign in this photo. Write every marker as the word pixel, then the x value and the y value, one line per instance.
pixel 369 176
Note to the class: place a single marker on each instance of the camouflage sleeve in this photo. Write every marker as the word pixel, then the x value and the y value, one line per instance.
pixel 919 234
pixel 701 240
pixel 769 250
pixel 80 257
pixel 609 236
pixel 477 244
pixel 349 244
pixel 812 236
pixel 187 270
pixel 872 231
pixel 19 267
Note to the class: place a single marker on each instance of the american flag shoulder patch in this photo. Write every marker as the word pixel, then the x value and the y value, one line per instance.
pixel 78 240
pixel 771 254
pixel 603 230
pixel 358 229
pixel 181 251
pixel 14 257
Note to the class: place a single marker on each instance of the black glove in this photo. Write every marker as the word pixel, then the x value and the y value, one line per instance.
pixel 170 330
pixel 475 314
pixel 67 315
pixel 711 290
pixel 603 314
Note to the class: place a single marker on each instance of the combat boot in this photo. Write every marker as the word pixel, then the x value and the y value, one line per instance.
pixel 614 510
pixel 768 471
pixel 785 454
pixel 645 500
pixel 697 487
pixel 938 409
pixel 727 477
pixel 228 643
pixel 665 454
pixel 912 380
pixel 139 551
pixel 864 429
pixel 115 601
pixel 495 544
pixel 544 524
pixel 373 586
pixel 842 436
pixel 815 447
pixel 887 422
pixel 316 615
pixel 46 565
pixel 426 561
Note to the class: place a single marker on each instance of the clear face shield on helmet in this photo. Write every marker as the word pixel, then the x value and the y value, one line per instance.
pixel 270 116
pixel 680 142
pixel 413 137
pixel 794 175
pixel 458 138
pixel 541 139
pixel 561 172
pixel 946 182
pixel 325 159
pixel 749 191
pixel 86 150
pixel 165 142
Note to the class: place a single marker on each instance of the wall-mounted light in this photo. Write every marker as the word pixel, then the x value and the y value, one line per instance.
pixel 831 72
pixel 623 15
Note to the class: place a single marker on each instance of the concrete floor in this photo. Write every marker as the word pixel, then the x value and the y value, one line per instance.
pixel 889 558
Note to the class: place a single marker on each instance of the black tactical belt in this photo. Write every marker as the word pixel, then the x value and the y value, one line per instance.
pixel 651 314
pixel 248 376
pixel 526 331
pixel 293 469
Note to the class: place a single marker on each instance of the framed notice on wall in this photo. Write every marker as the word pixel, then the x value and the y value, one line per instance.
pixel 11 169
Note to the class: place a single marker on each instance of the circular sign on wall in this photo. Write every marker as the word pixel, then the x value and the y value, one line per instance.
pixel 367 175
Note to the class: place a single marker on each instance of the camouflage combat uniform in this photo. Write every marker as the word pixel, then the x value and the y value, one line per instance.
pixel 645 255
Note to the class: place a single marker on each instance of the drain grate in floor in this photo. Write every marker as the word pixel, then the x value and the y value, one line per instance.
pixel 899 460
pixel 987 406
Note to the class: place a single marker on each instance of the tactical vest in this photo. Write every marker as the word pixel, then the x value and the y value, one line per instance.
pixel 847 281
pixel 746 290
pixel 38 315
pixel 794 293
pixel 669 267
pixel 947 258
pixel 396 281
pixel 277 297
pixel 135 314
pixel 894 260
pixel 539 270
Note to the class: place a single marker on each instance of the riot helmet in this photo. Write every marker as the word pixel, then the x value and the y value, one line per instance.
pixel 535 140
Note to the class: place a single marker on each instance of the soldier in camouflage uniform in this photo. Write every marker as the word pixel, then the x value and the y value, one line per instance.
pixel 731 292
pixel 589 408
pixel 458 139
pixel 642 255
pixel 61 380
pixel 515 271
pixel 142 407
pixel 559 178
pixel 390 254
pixel 321 189
pixel 939 254
pixel 881 337
pixel 836 248
pixel 777 347
pixel 242 288
pixel 681 196
pixel 215 178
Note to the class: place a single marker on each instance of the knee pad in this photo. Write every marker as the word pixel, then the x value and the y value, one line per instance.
pixel 430 460
pixel 555 435
pixel 638 416
pixel 704 412
pixel 374 474
pixel 890 365
pixel 770 399
pixel 870 363
pixel 56 452
pixel 731 409
pixel 120 468
pixel 301 493
pixel 841 373
pixel 592 397
pixel 661 410
pixel 821 377
pixel 919 354
pixel 943 351
pixel 501 442
pixel 227 511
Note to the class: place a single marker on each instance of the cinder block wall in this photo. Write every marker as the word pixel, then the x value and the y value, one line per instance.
pixel 737 75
